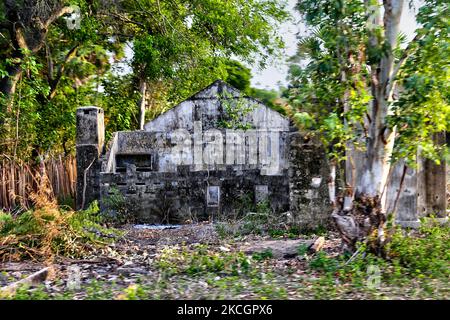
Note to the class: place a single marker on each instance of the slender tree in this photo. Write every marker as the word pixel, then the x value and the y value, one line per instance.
pixel 360 87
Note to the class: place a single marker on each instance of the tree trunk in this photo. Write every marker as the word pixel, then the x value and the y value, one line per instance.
pixel 27 32
pixel 367 214
pixel 380 141
pixel 8 84
pixel 142 103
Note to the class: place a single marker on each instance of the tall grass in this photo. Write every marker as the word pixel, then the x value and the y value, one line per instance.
pixel 48 230
pixel 18 182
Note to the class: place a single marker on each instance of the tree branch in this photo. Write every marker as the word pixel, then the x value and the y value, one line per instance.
pixel 53 85
pixel 49 63
pixel 56 15
pixel 126 20
pixel 406 54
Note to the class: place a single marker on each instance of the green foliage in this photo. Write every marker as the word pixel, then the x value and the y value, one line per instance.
pixel 423 106
pixel 26 293
pixel 270 98
pixel 302 250
pixel 238 76
pixel 415 267
pixel 426 254
pixel 117 210
pixel 202 260
pixel 330 84
pixel 317 93
pixel 235 111
pixel 119 104
pixel 260 256
pixel 53 231
pixel 255 222
pixel 410 256
pixel 324 263
pixel 178 48
pixel 304 120
pixel 260 219
pixel 134 292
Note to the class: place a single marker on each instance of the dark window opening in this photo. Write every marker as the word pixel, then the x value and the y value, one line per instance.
pixel 143 162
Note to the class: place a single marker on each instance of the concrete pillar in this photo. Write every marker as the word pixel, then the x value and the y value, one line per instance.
pixel 432 184
pixel 90 139
pixel 308 182
pixel 424 191
pixel 407 203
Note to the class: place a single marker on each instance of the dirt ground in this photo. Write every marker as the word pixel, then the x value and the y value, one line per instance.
pixel 130 258
pixel 133 259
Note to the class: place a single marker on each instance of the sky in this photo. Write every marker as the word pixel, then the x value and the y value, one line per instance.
pixel 275 74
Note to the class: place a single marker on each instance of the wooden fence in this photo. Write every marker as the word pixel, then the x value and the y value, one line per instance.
pixel 18 180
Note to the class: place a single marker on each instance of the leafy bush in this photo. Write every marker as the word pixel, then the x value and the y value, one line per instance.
pixel 324 263
pixel 266 254
pixel 117 210
pixel 422 253
pixel 48 231
pixel 419 255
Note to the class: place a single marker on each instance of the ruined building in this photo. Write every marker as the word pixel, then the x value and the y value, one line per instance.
pixel 211 155
pixel 219 152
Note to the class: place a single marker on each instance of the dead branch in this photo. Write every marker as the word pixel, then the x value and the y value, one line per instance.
pixel 32 280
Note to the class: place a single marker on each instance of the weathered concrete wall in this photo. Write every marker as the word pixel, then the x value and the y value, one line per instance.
pixel 423 193
pixel 182 195
pixel 308 182
pixel 432 184
pixel 407 202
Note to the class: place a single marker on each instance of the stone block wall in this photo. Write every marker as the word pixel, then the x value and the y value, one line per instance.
pixel 139 165
pixel 308 182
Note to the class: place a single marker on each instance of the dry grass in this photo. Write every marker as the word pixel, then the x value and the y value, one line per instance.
pixel 18 180
pixel 47 230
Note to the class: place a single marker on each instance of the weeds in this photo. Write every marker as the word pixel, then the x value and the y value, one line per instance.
pixel 260 256
pixel 425 253
pixel 417 257
pixel 47 230
pixel 201 260
pixel 116 209
pixel 258 220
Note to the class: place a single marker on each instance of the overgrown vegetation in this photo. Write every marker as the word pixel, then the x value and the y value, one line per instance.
pixel 135 59
pixel 260 219
pixel 355 82
pixel 116 209
pixel 420 259
pixel 202 260
pixel 255 219
pixel 235 109
pixel 414 268
pixel 48 230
